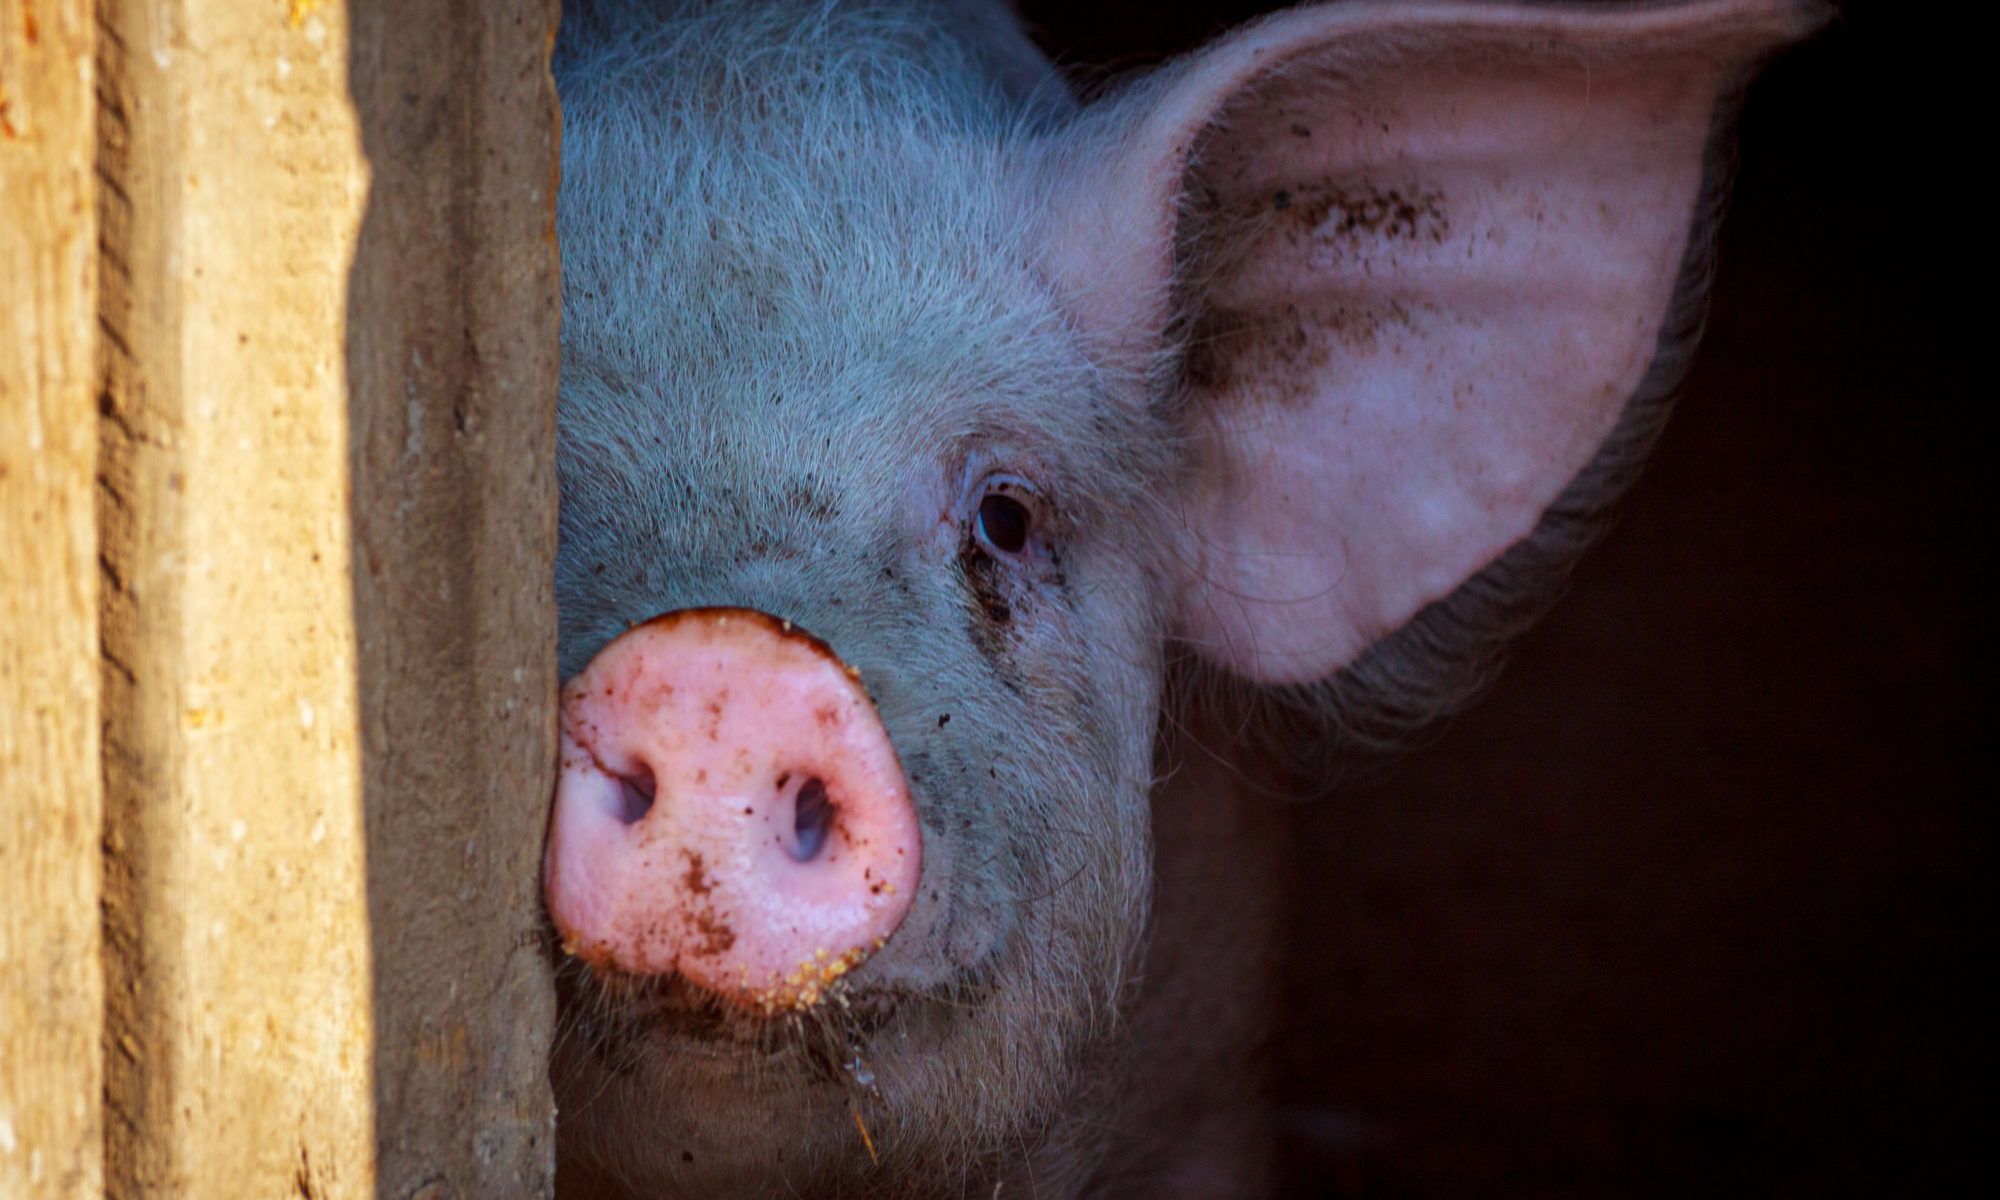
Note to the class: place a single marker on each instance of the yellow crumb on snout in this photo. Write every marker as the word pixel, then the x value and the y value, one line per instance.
pixel 808 981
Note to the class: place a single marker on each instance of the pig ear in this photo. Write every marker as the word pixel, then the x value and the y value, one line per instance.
pixel 1409 264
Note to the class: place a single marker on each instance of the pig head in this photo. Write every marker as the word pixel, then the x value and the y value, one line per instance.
pixel 931 442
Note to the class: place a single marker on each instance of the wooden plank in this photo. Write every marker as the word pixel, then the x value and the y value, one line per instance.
pixel 328 442
pixel 239 1015
pixel 51 987
pixel 452 354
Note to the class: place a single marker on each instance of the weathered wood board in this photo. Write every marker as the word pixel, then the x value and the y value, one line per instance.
pixel 51 991
pixel 327 514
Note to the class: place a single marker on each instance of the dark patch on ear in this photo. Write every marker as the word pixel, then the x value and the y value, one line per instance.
pixel 1218 231
pixel 1278 350
pixel 1285 351
pixel 1325 212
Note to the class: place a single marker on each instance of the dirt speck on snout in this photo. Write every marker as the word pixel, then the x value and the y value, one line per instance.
pixel 696 879
pixel 716 935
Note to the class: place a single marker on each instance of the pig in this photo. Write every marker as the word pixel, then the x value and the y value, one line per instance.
pixel 978 500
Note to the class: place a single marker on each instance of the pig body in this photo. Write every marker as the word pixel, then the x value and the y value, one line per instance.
pixel 870 326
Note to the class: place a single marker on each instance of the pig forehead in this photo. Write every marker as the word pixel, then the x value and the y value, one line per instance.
pixel 855 367
pixel 857 428
pixel 850 293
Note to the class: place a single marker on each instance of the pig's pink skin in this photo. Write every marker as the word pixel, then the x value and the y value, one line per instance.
pixel 731 712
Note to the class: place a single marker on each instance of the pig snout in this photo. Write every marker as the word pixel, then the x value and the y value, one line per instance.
pixel 730 810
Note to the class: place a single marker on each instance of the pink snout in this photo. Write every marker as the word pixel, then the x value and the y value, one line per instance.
pixel 730 810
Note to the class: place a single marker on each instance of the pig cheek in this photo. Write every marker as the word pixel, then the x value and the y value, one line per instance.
pixel 916 956
pixel 924 506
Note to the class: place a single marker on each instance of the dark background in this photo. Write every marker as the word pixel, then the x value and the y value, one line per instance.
pixel 1695 902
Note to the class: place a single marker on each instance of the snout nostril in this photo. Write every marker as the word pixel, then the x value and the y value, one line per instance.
pixel 635 795
pixel 812 819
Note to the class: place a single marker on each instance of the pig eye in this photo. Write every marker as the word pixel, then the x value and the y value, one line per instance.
pixel 1004 522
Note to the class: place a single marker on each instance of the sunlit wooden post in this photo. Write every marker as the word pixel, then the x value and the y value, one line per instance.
pixel 315 390
pixel 51 994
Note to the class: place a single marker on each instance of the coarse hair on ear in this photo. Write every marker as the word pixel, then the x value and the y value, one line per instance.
pixel 1417 282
